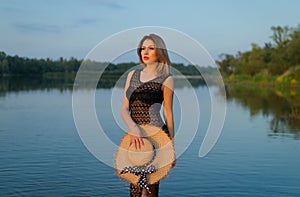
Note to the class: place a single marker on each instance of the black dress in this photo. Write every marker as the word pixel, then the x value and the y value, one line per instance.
pixel 145 100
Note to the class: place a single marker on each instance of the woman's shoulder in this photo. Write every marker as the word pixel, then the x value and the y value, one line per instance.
pixel 131 73
pixel 168 79
pixel 168 76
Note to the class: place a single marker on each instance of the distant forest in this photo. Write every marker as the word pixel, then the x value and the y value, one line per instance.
pixel 22 66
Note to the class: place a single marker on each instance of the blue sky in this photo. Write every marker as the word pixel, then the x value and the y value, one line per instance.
pixel 71 28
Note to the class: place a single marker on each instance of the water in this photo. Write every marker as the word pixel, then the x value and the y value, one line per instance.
pixel 41 153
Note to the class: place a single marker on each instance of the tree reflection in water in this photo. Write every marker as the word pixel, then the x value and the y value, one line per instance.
pixel 282 107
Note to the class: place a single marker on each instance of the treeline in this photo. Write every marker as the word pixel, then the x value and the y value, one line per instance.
pixel 279 57
pixel 23 66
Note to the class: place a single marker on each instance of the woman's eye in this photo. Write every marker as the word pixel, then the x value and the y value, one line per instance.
pixel 152 48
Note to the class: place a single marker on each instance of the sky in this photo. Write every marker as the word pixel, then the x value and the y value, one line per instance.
pixel 71 28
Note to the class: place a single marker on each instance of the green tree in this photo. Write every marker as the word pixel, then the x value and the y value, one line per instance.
pixel 255 61
pixel 4 67
pixel 226 64
pixel 293 48
pixel 280 35
pixel 2 56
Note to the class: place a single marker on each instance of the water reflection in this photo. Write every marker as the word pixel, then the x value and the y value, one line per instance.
pixel 18 84
pixel 281 107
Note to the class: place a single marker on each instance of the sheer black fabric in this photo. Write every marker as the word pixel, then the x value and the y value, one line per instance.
pixel 145 100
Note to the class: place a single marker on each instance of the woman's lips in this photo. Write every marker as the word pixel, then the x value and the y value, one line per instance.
pixel 146 58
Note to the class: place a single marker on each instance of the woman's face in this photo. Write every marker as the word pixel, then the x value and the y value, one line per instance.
pixel 148 52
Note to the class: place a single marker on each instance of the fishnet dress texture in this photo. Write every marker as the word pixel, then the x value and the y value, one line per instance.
pixel 145 100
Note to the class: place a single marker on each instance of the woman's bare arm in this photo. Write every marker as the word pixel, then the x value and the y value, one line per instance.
pixel 133 128
pixel 168 90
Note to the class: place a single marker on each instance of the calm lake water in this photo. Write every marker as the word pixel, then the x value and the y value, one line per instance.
pixel 41 153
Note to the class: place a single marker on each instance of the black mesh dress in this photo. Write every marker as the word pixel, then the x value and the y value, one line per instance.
pixel 145 100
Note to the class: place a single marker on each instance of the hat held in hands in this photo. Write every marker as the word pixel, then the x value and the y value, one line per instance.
pixel 148 164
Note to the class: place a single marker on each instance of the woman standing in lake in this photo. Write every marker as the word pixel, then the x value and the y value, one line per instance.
pixel 145 91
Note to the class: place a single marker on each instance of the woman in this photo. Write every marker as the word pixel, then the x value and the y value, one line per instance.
pixel 145 91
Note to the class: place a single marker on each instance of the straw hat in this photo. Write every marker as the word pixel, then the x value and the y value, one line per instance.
pixel 150 163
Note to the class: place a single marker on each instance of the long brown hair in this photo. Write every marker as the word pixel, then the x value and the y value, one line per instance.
pixel 161 53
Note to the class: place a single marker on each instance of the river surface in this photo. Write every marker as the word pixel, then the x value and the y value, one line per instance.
pixel 42 154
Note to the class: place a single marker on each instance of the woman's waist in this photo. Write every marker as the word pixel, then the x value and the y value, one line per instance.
pixel 152 119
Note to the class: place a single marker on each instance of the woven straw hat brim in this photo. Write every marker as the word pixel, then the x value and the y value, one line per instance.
pixel 165 155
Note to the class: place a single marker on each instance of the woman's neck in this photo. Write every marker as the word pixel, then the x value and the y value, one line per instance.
pixel 151 68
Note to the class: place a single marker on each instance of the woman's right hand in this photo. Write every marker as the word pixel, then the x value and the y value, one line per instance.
pixel 136 138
